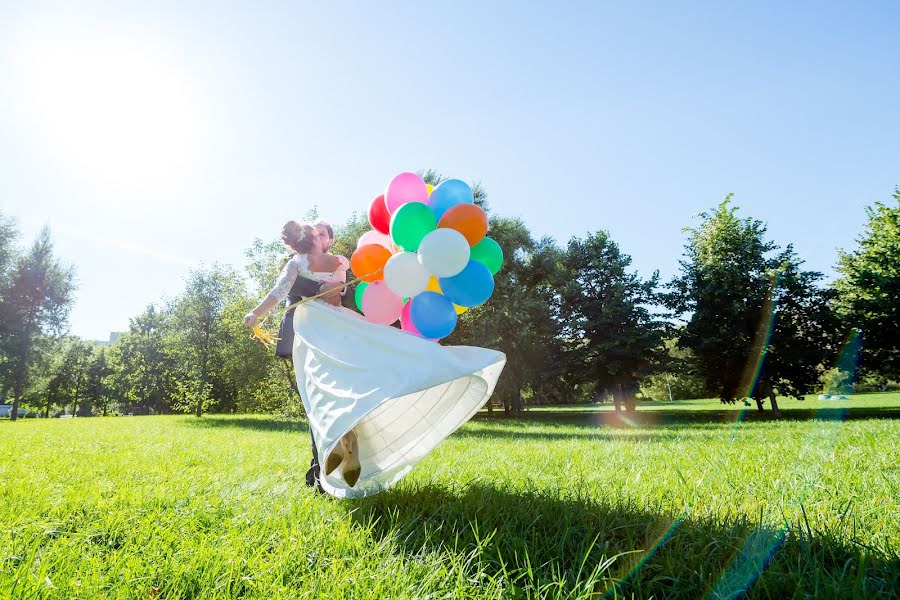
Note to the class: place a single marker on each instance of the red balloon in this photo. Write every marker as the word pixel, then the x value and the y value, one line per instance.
pixel 379 217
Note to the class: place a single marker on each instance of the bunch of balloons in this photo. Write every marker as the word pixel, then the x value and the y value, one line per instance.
pixel 427 259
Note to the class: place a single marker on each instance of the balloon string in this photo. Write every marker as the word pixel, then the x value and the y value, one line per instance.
pixel 269 339
pixel 341 287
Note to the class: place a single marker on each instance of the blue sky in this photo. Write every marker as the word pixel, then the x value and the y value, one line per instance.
pixel 156 138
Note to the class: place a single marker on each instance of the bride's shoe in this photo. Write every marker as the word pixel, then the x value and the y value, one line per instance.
pixel 350 466
pixel 334 459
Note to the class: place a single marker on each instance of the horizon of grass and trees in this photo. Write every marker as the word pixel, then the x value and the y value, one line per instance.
pixel 741 321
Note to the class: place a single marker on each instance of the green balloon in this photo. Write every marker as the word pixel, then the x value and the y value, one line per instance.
pixel 360 288
pixel 410 223
pixel 489 253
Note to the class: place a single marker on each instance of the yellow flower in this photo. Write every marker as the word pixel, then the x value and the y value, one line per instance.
pixel 264 336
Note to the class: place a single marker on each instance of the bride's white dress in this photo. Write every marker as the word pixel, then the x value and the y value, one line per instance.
pixel 401 394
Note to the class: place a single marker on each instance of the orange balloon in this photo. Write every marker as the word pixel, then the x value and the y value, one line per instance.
pixel 468 219
pixel 368 262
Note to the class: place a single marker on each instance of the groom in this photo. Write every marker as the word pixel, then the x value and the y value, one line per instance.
pixel 305 288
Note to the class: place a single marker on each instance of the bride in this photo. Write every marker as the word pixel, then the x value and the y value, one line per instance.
pixel 378 399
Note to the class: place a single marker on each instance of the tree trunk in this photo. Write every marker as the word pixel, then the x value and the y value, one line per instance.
pixel 617 398
pixel 490 406
pixel 49 402
pixel 78 382
pixel 630 403
pixel 517 401
pixel 17 393
pixel 201 391
pixel 774 404
pixel 759 404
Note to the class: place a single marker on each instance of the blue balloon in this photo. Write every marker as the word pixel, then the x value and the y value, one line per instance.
pixel 433 315
pixel 470 287
pixel 448 194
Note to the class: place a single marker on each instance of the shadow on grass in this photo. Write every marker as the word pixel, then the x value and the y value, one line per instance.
pixel 257 423
pixel 508 429
pixel 552 542
pixel 662 417
pixel 639 426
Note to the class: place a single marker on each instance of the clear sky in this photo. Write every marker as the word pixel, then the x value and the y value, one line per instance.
pixel 153 137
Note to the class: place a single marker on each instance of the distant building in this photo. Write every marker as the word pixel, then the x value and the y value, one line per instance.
pixel 113 336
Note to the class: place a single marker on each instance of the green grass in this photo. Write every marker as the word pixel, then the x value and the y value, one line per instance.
pixel 665 503
pixel 881 400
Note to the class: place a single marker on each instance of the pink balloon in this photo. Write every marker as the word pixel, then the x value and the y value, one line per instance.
pixel 380 304
pixel 406 323
pixel 376 237
pixel 405 187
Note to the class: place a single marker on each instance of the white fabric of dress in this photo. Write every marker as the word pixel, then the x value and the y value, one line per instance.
pixel 400 393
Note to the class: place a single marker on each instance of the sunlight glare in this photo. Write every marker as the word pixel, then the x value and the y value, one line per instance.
pixel 116 113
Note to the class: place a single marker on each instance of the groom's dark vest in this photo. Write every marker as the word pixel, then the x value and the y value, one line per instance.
pixel 303 288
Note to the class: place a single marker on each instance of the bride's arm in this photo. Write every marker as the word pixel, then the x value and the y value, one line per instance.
pixel 286 279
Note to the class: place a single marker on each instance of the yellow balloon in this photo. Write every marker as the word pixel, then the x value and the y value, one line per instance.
pixel 434 286
pixel 430 187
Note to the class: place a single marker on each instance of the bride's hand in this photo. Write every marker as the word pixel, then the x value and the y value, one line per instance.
pixel 250 319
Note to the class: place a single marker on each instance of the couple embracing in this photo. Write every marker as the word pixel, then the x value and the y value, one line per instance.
pixel 378 399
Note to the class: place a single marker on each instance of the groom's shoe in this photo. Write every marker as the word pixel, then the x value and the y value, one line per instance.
pixel 350 467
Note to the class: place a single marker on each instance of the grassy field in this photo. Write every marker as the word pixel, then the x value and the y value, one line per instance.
pixel 684 500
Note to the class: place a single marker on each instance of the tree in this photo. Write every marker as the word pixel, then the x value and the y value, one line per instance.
pixel 145 377
pixel 868 290
pixel 8 235
pixel 804 332
pixel 519 318
pixel 96 392
pixel 68 376
pixel 200 335
pixel 757 323
pixel 612 337
pixel 34 307
pixel 677 378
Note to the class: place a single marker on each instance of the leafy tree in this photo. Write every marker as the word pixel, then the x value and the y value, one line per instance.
pixel 868 290
pixel 804 332
pixel 68 383
pixel 200 336
pixel 34 307
pixel 677 379
pixel 264 262
pixel 97 389
pixel 612 337
pixel 757 323
pixel 519 318
pixel 263 382
pixel 9 233
pixel 145 374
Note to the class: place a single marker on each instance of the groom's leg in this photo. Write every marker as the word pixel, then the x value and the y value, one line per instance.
pixel 315 471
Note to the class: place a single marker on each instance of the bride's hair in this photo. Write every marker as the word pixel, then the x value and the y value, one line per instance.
pixel 298 236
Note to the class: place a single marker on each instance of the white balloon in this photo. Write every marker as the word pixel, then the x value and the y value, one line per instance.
pixel 376 237
pixel 444 252
pixel 405 275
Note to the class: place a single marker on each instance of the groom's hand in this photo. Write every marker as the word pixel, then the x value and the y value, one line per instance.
pixel 334 298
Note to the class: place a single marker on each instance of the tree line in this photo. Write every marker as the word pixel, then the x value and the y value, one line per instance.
pixel 741 320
